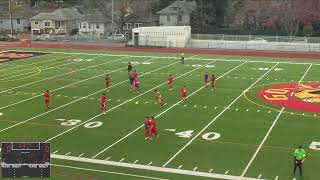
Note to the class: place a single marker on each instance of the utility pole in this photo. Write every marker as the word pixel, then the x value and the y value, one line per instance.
pixel 112 17
pixel 11 25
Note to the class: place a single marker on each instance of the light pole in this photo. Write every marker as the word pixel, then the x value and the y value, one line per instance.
pixel 11 25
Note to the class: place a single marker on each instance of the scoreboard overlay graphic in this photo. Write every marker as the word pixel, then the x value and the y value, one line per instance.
pixel 25 159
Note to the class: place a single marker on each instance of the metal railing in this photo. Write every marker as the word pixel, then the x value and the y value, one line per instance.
pixel 255 38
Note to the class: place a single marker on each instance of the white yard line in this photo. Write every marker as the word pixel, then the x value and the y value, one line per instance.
pixel 19 66
pixel 52 77
pixel 118 141
pixel 150 168
pixel 174 57
pixel 119 105
pixel 270 129
pixel 214 119
pixel 51 67
pixel 5 129
pixel 108 172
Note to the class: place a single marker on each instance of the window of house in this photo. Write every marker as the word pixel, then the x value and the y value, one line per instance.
pixel 18 21
pixel 97 26
pixel 36 22
pixel 47 24
pixel 84 25
pixel 89 25
pixel 128 25
pixel 180 18
pixel 137 25
pixel 168 17
pixel 1 21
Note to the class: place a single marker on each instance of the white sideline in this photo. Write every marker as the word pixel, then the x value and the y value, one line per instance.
pixel 125 102
pixel 108 172
pixel 161 114
pixel 2 130
pixel 225 109
pixel 174 57
pixel 19 66
pixel 150 168
pixel 52 77
pixel 68 84
pixel 52 67
pixel 270 129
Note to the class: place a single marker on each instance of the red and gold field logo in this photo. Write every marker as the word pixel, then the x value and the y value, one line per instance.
pixel 18 55
pixel 15 56
pixel 302 97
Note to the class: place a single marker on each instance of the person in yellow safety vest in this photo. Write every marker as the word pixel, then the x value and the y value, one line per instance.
pixel 299 156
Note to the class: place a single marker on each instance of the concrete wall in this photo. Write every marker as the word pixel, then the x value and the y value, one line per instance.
pixel 169 36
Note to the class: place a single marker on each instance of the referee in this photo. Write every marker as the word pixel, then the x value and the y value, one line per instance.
pixel 299 156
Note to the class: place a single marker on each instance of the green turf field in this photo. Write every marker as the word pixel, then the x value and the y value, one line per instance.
pixel 230 133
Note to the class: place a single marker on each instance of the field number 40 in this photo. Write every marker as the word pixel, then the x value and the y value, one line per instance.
pixel 74 122
pixel 207 136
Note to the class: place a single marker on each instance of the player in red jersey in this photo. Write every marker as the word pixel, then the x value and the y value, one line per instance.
pixel 107 79
pixel 147 128
pixel 184 93
pixel 136 85
pixel 170 80
pixel 153 127
pixel 213 81
pixel 159 97
pixel 47 96
pixel 103 103
pixel 135 74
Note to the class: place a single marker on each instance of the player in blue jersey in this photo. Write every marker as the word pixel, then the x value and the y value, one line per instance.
pixel 206 77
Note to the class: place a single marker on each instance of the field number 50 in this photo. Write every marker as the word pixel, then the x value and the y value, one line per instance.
pixel 74 122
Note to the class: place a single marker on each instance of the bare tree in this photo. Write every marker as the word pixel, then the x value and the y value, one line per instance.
pixel 124 10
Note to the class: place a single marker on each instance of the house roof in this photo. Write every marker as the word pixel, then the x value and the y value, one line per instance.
pixel 179 6
pixel 95 18
pixel 139 19
pixel 61 14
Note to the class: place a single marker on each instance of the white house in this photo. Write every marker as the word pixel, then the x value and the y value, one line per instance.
pixel 60 21
pixel 20 23
pixel 94 26
pixel 177 14
pixel 163 36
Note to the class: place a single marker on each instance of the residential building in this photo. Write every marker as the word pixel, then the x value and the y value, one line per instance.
pixel 94 26
pixel 20 23
pixel 177 13
pixel 137 22
pixel 60 21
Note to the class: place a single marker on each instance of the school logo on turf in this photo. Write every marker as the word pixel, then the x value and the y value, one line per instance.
pixel 301 97
pixel 15 55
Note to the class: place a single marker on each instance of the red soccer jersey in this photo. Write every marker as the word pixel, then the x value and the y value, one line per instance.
pixel 184 92
pixel 170 79
pixel 147 123
pixel 47 95
pixel 213 80
pixel 135 75
pixel 103 99
pixel 152 124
